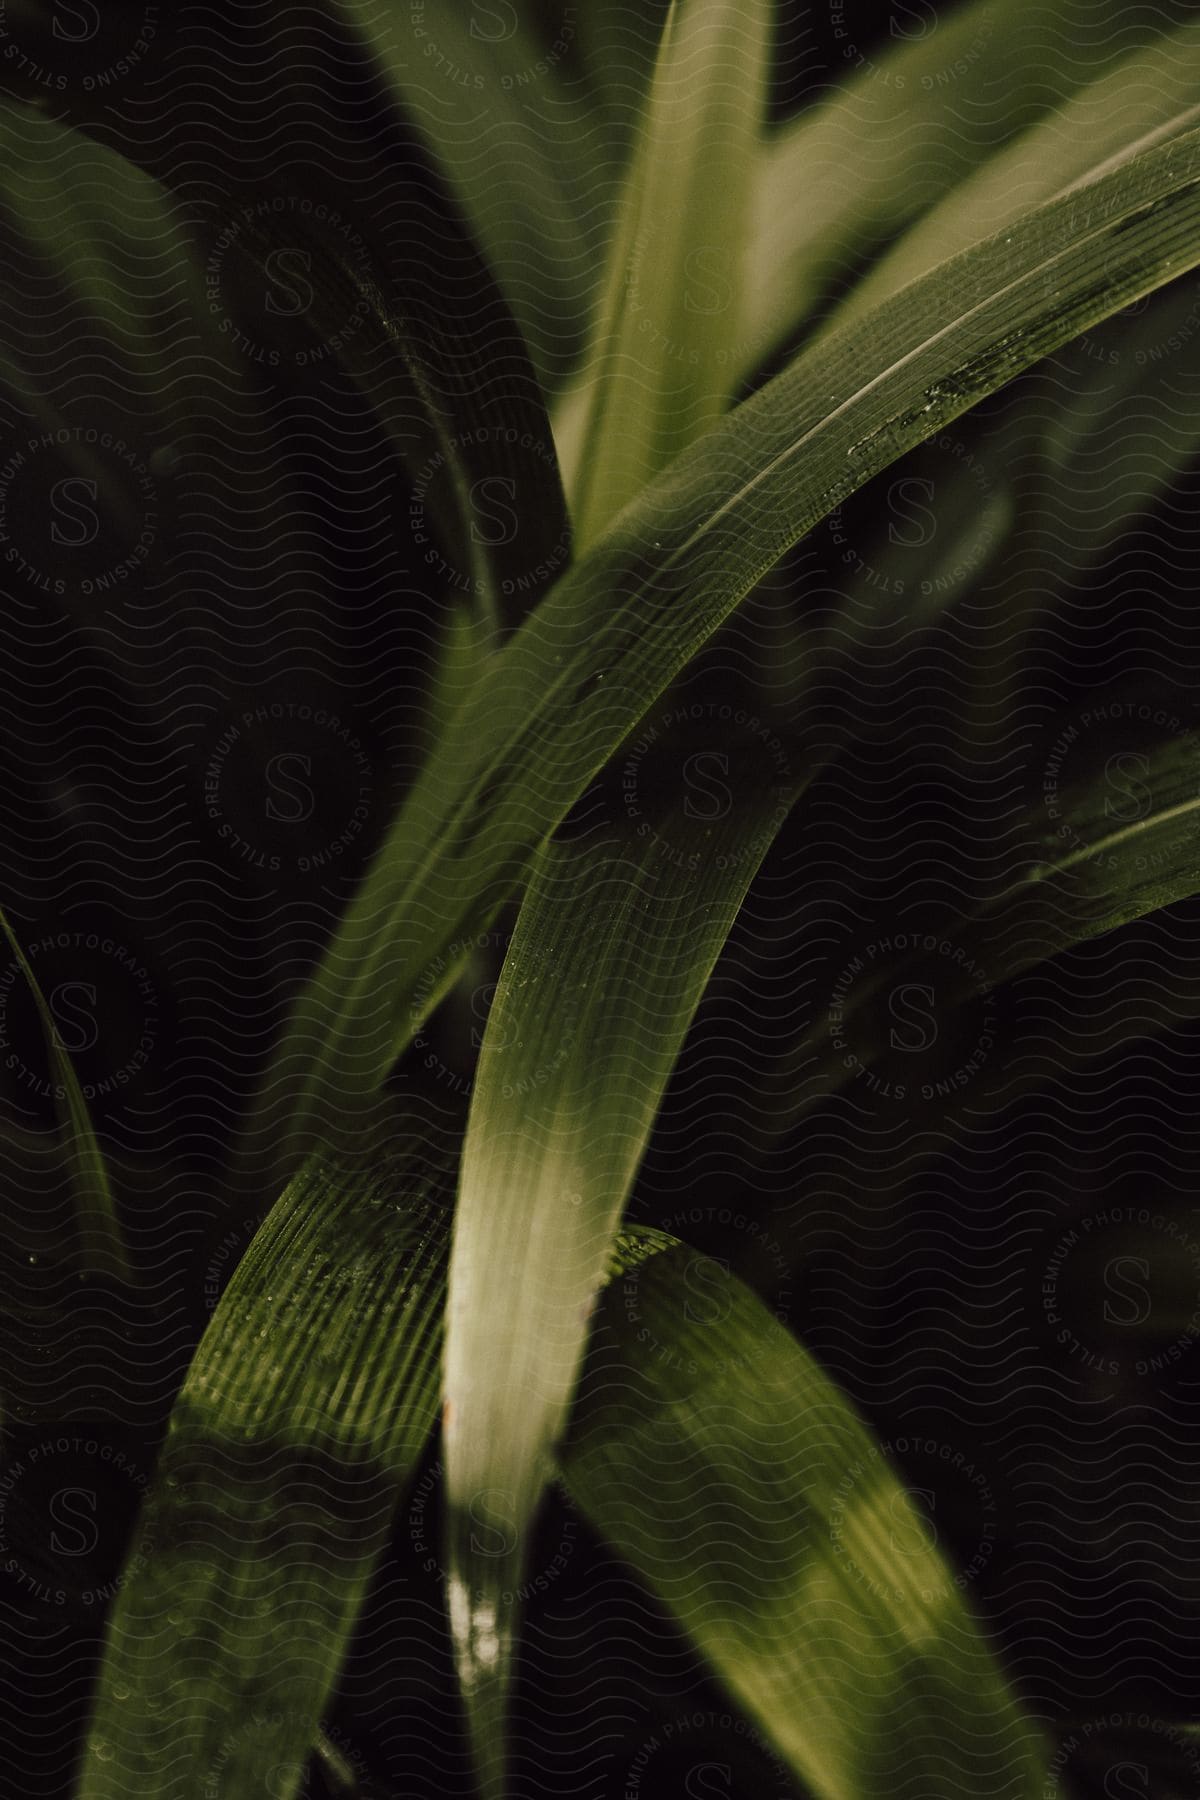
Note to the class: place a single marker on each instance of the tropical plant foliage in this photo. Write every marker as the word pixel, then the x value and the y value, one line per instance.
pixel 602 816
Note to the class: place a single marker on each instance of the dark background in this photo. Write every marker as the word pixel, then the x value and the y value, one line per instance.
pixel 910 1256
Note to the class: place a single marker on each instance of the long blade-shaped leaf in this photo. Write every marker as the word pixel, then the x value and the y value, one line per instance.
pixel 554 705
pixel 1112 426
pixel 1156 89
pixel 331 235
pixel 1102 472
pixel 519 145
pixel 89 236
pixel 661 371
pixel 913 119
pixel 712 1451
pixel 579 1047
pixel 583 1032
pixel 916 115
pixel 109 244
pixel 301 1418
pixel 1111 851
pixel 454 389
pixel 578 1050
pixel 304 1414
pixel 101 1244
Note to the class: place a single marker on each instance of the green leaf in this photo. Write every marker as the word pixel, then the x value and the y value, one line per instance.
pixel 1147 360
pixel 891 140
pixel 1153 93
pixel 83 230
pixel 297 1428
pixel 518 144
pixel 1108 852
pixel 102 1248
pixel 710 1449
pixel 613 633
pixel 618 48
pixel 300 268
pixel 450 381
pixel 1090 477
pixel 468 639
pixel 911 122
pixel 1112 850
pixel 581 1038
pixel 77 217
pixel 660 371
pixel 154 383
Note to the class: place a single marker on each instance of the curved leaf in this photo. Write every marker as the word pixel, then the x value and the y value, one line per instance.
pixel 612 634
pixel 890 141
pixel 101 1245
pixel 330 235
pixel 660 370
pixel 710 1449
pixel 1111 428
pixel 581 1038
pixel 452 385
pixel 912 119
pixel 1152 93
pixel 105 249
pixel 520 146
pixel 300 1422
pixel 1110 852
